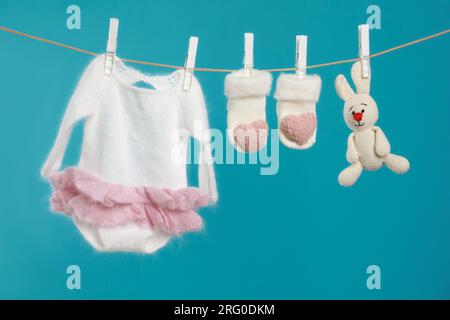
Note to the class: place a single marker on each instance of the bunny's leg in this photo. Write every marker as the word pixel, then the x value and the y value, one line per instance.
pixel 396 163
pixel 350 175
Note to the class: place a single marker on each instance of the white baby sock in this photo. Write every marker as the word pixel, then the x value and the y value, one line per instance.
pixel 296 109
pixel 247 126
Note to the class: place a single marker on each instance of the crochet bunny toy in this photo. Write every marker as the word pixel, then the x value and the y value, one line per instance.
pixel 368 147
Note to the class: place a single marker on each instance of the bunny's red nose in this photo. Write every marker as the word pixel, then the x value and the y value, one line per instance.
pixel 357 116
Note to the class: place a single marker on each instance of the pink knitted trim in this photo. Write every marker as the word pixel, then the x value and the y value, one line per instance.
pixel 251 136
pixel 299 128
pixel 81 194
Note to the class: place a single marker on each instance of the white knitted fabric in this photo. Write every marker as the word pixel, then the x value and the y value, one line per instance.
pixel 296 109
pixel 247 127
pixel 130 137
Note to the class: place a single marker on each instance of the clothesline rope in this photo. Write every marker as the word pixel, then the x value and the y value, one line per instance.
pixel 162 65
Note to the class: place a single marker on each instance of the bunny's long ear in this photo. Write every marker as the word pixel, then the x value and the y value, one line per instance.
pixel 362 85
pixel 343 89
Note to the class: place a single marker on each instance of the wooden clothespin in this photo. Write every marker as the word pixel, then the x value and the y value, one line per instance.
pixel 248 54
pixel 111 46
pixel 364 49
pixel 301 49
pixel 189 64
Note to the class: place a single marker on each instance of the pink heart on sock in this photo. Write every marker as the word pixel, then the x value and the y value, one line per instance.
pixel 299 128
pixel 251 136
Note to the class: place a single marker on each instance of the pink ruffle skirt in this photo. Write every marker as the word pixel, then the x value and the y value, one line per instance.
pixel 80 194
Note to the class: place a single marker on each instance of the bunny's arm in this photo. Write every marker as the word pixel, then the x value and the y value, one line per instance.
pixel 352 153
pixel 382 146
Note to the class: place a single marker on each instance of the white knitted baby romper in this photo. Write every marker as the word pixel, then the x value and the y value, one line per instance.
pixel 128 191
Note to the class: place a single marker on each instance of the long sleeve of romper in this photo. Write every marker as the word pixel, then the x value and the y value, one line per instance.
pixel 196 122
pixel 87 96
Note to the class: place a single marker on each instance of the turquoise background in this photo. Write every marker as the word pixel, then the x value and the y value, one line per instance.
pixel 293 235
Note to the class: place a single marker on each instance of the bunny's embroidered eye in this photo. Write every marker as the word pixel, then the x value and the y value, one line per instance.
pixel 362 110
pixel 353 112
